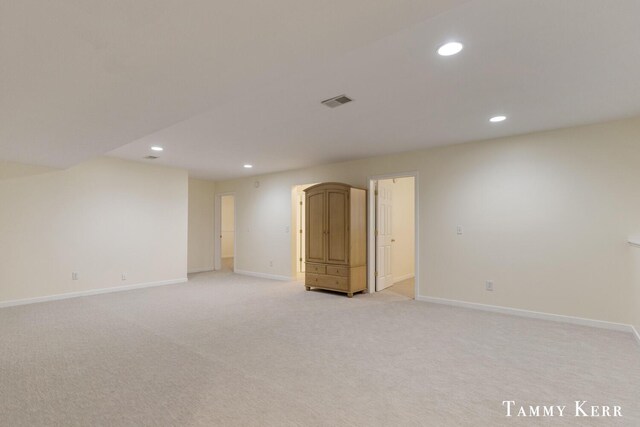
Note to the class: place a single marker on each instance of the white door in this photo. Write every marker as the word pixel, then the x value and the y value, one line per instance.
pixel 384 200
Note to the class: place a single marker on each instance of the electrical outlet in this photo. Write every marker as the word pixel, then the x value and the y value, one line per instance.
pixel 74 276
pixel 124 276
pixel 489 285
pixel 460 230
pixel 270 263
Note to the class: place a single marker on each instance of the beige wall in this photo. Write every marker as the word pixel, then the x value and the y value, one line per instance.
pixel 201 225
pixel 403 229
pixel 227 222
pixel 635 259
pixel 546 217
pixel 101 218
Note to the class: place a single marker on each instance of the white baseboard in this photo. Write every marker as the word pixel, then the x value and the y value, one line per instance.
pixel 532 314
pixel 200 270
pixel 403 277
pixel 264 275
pixel 89 292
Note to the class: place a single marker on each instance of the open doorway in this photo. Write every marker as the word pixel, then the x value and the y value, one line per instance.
pixel 298 216
pixel 225 249
pixel 393 219
pixel 228 232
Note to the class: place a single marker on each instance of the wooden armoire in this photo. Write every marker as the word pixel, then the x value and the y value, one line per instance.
pixel 336 238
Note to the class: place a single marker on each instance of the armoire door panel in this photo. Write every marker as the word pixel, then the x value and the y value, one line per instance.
pixel 315 222
pixel 337 223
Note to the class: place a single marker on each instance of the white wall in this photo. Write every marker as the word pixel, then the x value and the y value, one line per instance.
pixel 17 170
pixel 101 218
pixel 201 225
pixel 403 229
pixel 546 217
pixel 228 226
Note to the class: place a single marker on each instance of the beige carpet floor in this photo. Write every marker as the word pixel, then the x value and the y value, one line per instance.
pixel 231 350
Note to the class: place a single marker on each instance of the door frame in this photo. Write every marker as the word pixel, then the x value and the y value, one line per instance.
pixel 299 231
pixel 371 232
pixel 295 236
pixel 217 241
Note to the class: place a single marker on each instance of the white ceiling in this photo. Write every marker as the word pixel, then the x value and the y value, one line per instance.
pixel 79 78
pixel 220 86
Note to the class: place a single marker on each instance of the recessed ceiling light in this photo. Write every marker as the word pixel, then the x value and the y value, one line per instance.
pixel 248 166
pixel 157 148
pixel 496 119
pixel 450 48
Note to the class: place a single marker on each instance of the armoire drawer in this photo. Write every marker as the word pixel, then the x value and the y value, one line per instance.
pixel 324 281
pixel 316 268
pixel 313 279
pixel 337 282
pixel 338 270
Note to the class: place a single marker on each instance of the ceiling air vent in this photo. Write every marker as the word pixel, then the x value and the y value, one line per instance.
pixel 336 101
pixel 151 157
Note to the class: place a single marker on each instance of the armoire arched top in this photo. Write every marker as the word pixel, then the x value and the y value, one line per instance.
pixel 332 184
